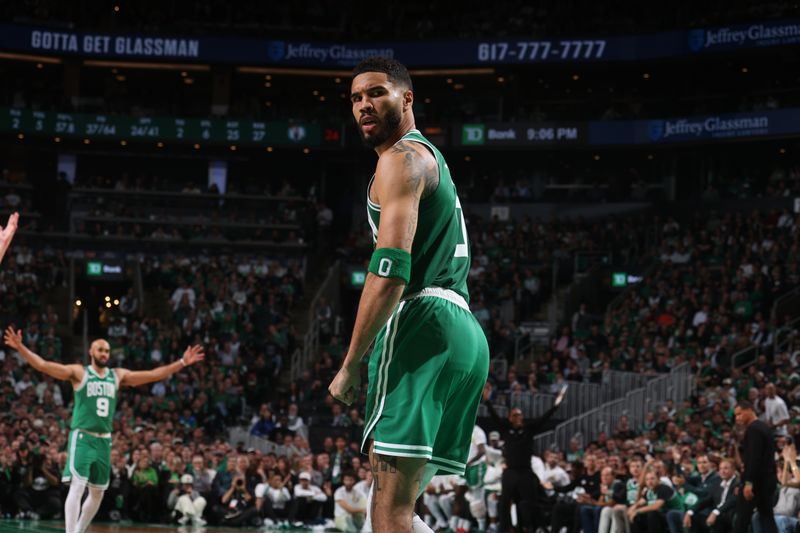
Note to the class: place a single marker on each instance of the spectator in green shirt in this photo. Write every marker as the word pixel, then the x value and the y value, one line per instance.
pixel 649 513
pixel 683 500
pixel 144 491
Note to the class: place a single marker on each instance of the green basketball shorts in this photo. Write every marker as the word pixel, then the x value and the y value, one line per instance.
pixel 426 378
pixel 88 459
pixel 474 475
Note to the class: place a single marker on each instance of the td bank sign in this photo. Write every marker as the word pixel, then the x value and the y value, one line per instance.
pixel 472 134
pixel 480 134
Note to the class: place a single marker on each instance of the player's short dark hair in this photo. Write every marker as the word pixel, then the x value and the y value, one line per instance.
pixel 349 473
pixel 394 70
pixel 745 405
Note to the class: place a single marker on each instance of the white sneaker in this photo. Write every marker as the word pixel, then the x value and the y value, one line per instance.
pixel 197 521
pixel 184 520
pixel 268 522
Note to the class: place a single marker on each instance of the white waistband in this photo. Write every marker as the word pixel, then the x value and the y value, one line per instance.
pixel 438 292
pixel 98 435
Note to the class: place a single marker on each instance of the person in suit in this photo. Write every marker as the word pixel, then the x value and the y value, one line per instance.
pixel 759 479
pixel 715 511
pixel 703 483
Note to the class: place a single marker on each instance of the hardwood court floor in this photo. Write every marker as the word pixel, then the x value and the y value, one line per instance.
pixel 47 526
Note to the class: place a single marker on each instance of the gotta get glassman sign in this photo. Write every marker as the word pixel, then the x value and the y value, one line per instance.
pixel 453 53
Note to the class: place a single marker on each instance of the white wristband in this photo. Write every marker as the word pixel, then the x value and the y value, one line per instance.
pixel 183 363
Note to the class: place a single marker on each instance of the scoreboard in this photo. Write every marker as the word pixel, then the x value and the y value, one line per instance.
pixel 168 129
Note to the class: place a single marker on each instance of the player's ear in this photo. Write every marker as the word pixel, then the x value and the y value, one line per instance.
pixel 408 99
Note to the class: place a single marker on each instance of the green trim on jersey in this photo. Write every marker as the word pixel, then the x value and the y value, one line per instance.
pixel 95 401
pixel 440 255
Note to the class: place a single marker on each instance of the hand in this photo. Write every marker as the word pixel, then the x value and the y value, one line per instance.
pixel 193 354
pixel 7 233
pixel 346 386
pixel 13 338
pixel 632 514
pixel 561 394
pixel 748 492
pixel 547 485
pixel 687 521
pixel 711 520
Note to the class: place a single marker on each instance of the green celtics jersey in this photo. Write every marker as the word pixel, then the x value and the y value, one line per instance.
pixel 440 251
pixel 95 401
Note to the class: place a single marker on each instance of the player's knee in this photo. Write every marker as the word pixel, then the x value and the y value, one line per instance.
pixel 398 520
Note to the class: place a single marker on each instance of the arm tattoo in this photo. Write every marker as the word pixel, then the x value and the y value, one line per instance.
pixel 421 169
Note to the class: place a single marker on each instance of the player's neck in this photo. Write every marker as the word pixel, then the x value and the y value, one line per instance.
pixel 406 125
pixel 100 371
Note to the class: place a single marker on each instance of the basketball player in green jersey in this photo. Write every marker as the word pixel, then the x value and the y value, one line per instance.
pixel 431 359
pixel 89 448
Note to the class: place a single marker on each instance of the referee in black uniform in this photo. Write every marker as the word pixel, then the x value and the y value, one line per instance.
pixel 759 478
pixel 519 483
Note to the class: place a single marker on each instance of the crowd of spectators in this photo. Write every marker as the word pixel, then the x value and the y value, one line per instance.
pixel 26 277
pixel 238 307
pixel 709 293
pixel 176 471
pixel 680 470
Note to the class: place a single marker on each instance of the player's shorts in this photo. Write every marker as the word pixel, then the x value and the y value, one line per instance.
pixel 474 475
pixel 426 378
pixel 88 458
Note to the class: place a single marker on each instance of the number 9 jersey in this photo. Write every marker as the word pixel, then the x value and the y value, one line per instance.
pixel 440 251
pixel 95 401
pixel 89 447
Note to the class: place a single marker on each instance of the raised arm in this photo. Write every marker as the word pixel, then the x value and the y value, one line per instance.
pixel 535 424
pixel 133 378
pixel 487 395
pixel 400 179
pixel 7 233
pixel 73 373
